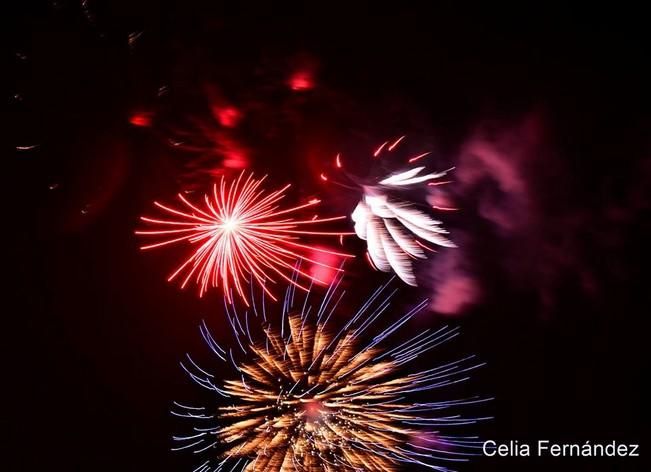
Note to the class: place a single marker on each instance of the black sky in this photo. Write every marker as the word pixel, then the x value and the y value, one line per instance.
pixel 94 335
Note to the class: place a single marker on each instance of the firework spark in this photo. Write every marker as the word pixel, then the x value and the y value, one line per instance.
pixel 310 399
pixel 391 219
pixel 239 233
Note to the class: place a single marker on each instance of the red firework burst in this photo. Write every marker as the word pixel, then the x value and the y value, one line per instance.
pixel 239 233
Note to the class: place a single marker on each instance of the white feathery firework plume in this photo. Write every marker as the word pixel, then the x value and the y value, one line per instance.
pixel 395 228
pixel 308 398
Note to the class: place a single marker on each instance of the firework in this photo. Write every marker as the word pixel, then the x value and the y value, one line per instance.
pixel 238 234
pixel 307 398
pixel 390 217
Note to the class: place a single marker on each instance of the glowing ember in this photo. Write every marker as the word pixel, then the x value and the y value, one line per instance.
pixel 228 116
pixel 141 118
pixel 301 81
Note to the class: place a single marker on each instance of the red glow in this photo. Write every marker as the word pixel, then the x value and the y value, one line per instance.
pixel 301 80
pixel 313 410
pixel 235 159
pixel 237 233
pixel 228 116
pixel 324 268
pixel 141 118
pixel 338 161
pixel 323 177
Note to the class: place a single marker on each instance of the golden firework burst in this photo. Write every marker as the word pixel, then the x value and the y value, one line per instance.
pixel 303 403
pixel 307 398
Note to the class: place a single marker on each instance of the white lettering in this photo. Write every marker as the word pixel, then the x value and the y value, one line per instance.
pixel 490 443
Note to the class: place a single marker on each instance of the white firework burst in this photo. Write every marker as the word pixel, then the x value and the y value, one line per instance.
pixel 396 229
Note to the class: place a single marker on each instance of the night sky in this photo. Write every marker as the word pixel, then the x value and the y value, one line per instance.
pixel 544 112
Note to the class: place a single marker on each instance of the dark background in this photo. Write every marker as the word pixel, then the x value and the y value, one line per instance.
pixel 93 335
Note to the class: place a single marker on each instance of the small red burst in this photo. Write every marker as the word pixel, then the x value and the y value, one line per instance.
pixel 228 116
pixel 238 233
pixel 141 118
pixel 301 80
